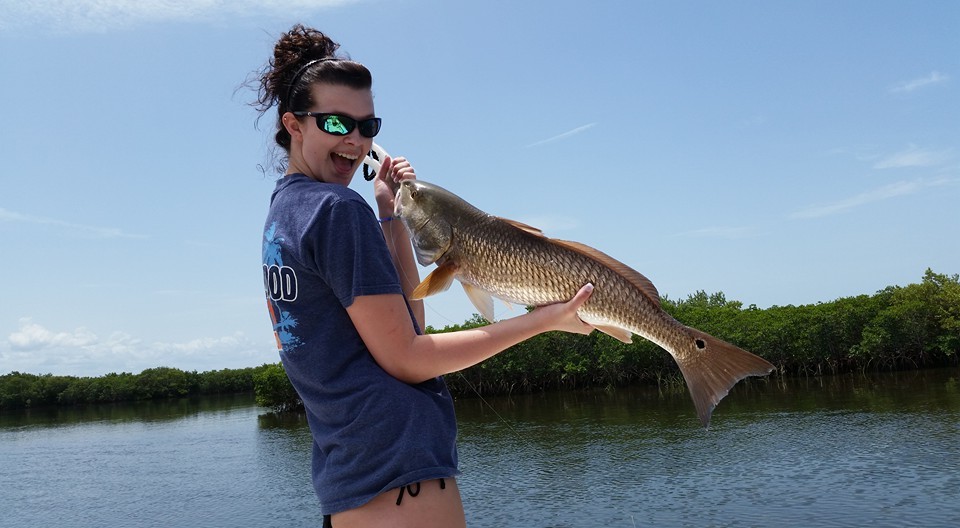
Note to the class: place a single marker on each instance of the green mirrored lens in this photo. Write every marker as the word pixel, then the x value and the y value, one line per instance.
pixel 338 125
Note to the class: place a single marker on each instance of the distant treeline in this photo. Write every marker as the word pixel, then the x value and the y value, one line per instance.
pixel 18 390
pixel 915 326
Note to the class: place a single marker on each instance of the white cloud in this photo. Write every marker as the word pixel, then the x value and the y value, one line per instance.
pixel 565 135
pixel 70 227
pixel 886 192
pixel 31 336
pixel 935 77
pixel 36 349
pixel 914 156
pixel 82 16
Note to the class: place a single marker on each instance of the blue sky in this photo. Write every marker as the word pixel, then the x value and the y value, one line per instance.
pixel 782 153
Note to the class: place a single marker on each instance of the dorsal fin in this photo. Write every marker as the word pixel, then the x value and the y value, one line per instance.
pixel 632 275
pixel 523 227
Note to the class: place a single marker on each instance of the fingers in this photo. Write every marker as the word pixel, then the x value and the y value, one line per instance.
pixel 403 170
pixel 396 170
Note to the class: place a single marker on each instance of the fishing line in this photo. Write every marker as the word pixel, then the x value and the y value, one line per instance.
pixel 371 167
pixel 485 402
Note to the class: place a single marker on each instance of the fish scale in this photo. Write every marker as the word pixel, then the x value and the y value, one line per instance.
pixel 492 256
pixel 557 275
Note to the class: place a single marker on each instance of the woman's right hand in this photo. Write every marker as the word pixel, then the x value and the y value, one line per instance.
pixel 565 314
pixel 392 172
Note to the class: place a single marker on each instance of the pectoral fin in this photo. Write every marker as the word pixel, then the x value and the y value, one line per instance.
pixel 481 300
pixel 437 281
pixel 620 334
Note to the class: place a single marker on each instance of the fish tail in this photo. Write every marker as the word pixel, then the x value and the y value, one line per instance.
pixel 713 367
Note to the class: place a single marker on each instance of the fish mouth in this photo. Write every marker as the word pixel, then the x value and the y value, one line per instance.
pixel 402 197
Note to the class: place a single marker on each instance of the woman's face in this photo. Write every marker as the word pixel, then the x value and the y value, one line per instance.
pixel 323 156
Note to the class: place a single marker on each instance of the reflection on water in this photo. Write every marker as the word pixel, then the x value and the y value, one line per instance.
pixel 838 451
pixel 144 411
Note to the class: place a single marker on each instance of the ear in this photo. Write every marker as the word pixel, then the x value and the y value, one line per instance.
pixel 292 124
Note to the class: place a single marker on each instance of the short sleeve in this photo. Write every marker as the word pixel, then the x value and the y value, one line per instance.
pixel 351 253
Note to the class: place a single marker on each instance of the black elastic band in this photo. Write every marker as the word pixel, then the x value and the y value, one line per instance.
pixel 368 172
pixel 300 72
pixel 414 492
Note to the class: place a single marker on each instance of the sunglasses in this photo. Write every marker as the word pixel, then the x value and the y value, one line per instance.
pixel 341 125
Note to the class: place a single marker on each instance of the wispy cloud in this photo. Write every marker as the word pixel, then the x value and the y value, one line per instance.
pixel 725 232
pixel 565 135
pixel 80 229
pixel 98 16
pixel 893 190
pixel 935 77
pixel 754 121
pixel 914 156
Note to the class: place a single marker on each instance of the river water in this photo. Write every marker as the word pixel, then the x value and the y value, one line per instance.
pixel 877 450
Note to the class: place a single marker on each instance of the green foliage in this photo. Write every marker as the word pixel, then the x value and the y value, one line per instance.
pixel 897 328
pixel 917 325
pixel 19 390
pixel 273 389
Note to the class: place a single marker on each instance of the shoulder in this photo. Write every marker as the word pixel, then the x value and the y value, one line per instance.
pixel 303 186
pixel 302 196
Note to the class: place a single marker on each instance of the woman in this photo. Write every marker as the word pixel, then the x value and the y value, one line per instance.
pixel 337 280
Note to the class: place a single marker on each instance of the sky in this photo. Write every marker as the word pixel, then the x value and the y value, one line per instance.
pixel 783 153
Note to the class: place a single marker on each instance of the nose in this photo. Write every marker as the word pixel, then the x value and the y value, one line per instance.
pixel 354 137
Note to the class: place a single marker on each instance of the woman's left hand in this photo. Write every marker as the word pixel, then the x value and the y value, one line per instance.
pixel 392 172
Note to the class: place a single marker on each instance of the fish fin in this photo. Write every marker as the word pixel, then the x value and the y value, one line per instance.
pixel 635 277
pixel 481 300
pixel 712 367
pixel 437 281
pixel 620 334
pixel 523 227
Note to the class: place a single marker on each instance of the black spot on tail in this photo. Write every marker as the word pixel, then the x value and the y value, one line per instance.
pixel 700 344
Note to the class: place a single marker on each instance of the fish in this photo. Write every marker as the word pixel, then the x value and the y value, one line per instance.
pixel 495 257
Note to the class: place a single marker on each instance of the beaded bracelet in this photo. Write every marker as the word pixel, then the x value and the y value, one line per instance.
pixel 387 219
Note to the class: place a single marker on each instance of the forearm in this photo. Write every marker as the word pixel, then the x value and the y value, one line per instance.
pixel 384 326
pixel 401 252
pixel 429 356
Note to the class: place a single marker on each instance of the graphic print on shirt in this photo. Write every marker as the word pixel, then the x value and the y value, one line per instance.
pixel 279 284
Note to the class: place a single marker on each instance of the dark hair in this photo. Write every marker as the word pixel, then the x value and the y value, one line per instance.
pixel 286 79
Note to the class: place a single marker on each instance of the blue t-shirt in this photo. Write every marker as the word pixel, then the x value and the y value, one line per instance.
pixel 322 248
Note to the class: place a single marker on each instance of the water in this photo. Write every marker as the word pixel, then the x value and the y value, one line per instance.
pixel 879 450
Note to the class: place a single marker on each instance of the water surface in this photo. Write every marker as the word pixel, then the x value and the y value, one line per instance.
pixel 878 450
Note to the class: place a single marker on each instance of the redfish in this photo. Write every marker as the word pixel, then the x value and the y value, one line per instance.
pixel 496 257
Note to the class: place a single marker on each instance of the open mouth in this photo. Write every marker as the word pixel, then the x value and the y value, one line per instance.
pixel 344 162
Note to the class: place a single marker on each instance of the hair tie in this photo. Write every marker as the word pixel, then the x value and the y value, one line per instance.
pixel 300 72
